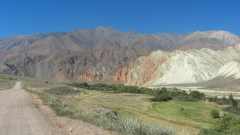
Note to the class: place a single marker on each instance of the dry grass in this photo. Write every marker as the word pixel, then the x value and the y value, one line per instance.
pixel 7 81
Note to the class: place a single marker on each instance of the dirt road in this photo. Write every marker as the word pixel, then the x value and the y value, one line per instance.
pixel 18 116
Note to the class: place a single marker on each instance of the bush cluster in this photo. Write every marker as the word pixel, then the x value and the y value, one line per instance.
pixel 118 88
pixel 215 114
pixel 175 94
pixel 63 91
pixel 162 94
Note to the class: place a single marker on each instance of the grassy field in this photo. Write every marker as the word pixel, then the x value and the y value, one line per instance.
pixel 184 117
pixel 193 113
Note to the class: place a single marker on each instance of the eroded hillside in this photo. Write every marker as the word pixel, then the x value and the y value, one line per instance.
pixel 104 54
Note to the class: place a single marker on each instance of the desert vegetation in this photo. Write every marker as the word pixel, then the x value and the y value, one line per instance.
pixel 116 88
pixel 162 94
pixel 64 101
pixel 133 110
pixel 175 94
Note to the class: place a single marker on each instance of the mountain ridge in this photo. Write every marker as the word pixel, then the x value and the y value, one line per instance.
pixel 182 67
pixel 105 54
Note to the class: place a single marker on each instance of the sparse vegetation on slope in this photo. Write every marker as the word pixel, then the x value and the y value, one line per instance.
pixel 130 109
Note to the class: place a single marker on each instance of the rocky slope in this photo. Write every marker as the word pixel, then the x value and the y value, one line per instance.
pixel 230 69
pixel 182 67
pixel 104 54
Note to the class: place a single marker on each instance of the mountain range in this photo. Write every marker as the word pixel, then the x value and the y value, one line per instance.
pixel 108 55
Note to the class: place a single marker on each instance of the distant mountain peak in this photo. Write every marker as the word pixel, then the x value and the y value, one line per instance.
pixel 102 28
pixel 105 53
pixel 226 36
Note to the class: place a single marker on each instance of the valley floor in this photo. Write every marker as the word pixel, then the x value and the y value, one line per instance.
pixel 183 117
pixel 194 115
pixel 79 104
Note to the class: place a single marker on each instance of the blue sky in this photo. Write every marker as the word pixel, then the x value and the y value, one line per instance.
pixel 147 16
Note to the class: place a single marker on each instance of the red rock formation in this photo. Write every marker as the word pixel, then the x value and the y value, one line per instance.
pixel 121 74
pixel 89 75
pixel 141 71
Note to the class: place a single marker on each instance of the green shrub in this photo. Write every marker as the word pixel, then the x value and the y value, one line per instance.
pixel 177 94
pixel 210 132
pixel 215 114
pixel 196 95
pixel 162 95
pixel 61 91
pixel 165 94
pixel 117 88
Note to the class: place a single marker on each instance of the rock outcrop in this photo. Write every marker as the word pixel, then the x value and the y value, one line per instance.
pixel 182 67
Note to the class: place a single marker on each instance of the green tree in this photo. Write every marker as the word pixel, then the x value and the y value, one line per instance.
pixel 195 95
